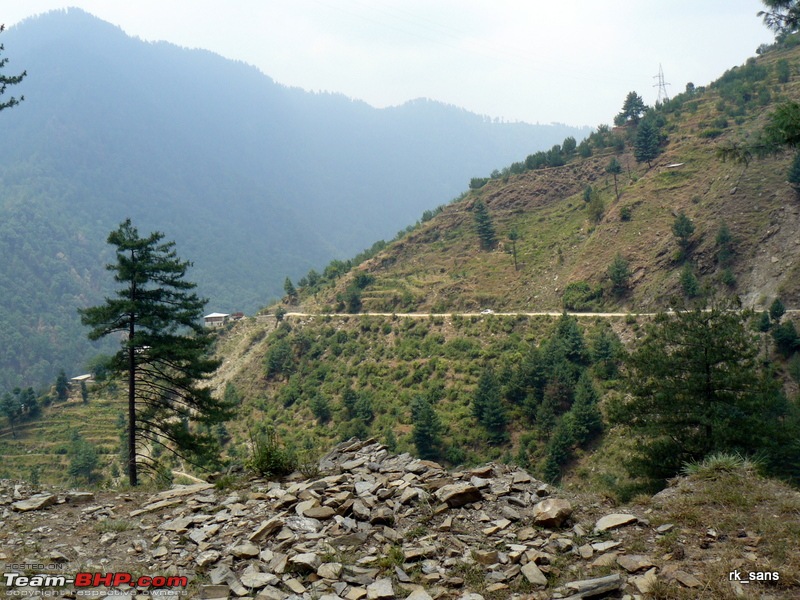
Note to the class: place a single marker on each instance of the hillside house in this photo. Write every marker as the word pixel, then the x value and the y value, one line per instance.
pixel 216 319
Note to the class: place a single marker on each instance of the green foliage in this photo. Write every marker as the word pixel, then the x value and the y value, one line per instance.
pixel 269 457
pixel 777 310
pixel 580 296
pixel 595 209
pixel 231 396
pixel 614 168
pixel 689 284
pixel 279 359
pixel 586 421
pixel 619 273
pixel 488 408
pixel 164 352
pixel 289 290
pixel 321 408
pixel 7 80
pixel 696 387
pixel 477 183
pixel 683 228
pixel 606 351
pixel 484 226
pixel 11 409
pixel 83 461
pixel 783 71
pixel 724 244
pixel 787 341
pixel 763 324
pixel 19 405
pixel 62 386
pixel 781 16
pixel 727 277
pixel 633 108
pixel 568 146
pixel 427 430
pixel 559 450
pixel 647 142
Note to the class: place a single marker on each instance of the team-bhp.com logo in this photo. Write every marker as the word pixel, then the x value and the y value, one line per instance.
pixel 94 580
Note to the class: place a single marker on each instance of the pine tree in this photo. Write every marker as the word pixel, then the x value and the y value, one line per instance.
pixel 7 80
pixel 62 386
pixel 164 352
pixel 633 108
pixel 695 387
pixel 683 228
pixel 513 236
pixel 614 168
pixel 484 226
pixel 83 460
pixel 11 409
pixel 427 428
pixel 647 141
pixel 559 450
pixel 724 244
pixel 689 283
pixel 488 407
pixel 290 290
pixel 586 420
pixel 619 273
pixel 777 310
pixel 606 352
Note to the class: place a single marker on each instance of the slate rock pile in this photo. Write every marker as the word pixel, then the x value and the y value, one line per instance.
pixel 370 526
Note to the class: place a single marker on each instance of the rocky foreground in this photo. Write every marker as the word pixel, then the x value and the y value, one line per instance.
pixel 374 526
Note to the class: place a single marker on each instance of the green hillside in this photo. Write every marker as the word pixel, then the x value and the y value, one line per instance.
pixel 406 342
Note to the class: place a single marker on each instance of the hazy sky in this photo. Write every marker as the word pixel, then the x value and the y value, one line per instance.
pixel 569 61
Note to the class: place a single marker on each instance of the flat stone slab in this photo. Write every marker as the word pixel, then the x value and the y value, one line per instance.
pixel 534 574
pixel 614 521
pixel 186 490
pixel 319 512
pixel 597 586
pixel 635 562
pixel 35 502
pixel 380 590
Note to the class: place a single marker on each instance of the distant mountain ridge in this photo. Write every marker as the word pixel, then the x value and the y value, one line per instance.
pixel 253 180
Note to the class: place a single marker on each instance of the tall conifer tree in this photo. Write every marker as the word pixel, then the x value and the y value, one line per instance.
pixel 164 349
pixel 484 226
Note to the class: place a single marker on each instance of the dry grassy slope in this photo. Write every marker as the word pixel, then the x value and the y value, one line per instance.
pixel 441 267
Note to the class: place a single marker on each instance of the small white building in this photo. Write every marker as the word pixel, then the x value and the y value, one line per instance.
pixel 216 319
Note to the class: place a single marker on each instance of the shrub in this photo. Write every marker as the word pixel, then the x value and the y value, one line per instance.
pixel 269 457
pixel 579 295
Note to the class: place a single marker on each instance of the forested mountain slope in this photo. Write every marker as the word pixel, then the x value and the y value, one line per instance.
pixel 253 180
pixel 688 229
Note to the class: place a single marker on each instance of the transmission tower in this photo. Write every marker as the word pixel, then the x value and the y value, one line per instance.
pixel 662 87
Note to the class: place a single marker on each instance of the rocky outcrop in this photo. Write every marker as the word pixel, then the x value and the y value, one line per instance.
pixel 371 525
